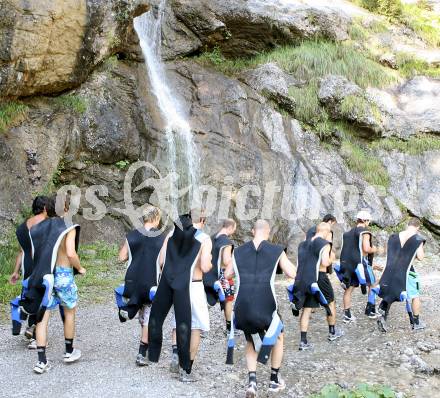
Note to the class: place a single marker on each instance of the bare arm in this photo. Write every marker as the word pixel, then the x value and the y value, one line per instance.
pixel 123 252
pixel 227 256
pixel 71 252
pixel 163 252
pixel 420 253
pixel 205 256
pixel 326 256
pixel 229 270
pixel 366 247
pixel 16 273
pixel 287 266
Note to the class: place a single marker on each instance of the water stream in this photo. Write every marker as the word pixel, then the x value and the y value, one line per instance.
pixel 183 158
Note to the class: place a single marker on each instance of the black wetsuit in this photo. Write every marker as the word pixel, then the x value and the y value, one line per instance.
pixel 46 237
pixel 351 256
pixel 311 232
pixel 309 260
pixel 255 302
pixel 27 263
pixel 218 244
pixel 174 289
pixel 399 259
pixel 143 269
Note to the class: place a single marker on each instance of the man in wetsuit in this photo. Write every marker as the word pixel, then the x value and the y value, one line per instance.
pixel 400 281
pixel 188 256
pixel 310 256
pixel 42 208
pixel 57 239
pixel 255 264
pixel 143 249
pixel 222 247
pixel 357 252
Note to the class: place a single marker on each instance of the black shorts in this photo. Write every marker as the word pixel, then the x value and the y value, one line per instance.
pixel 326 288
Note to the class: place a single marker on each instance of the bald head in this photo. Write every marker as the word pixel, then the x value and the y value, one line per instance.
pixel 261 229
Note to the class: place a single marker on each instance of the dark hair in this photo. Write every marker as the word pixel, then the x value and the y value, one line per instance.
pixel 414 222
pixel 50 207
pixel 39 204
pixel 329 218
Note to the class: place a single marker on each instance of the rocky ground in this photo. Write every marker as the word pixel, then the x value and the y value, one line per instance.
pixel 407 361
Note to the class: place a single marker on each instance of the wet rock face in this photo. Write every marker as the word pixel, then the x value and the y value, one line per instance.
pixel 50 46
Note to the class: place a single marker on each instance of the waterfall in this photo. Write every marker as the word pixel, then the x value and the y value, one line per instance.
pixel 183 158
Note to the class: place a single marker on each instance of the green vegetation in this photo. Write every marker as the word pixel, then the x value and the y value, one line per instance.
pixel 103 272
pixel 8 252
pixel 100 260
pixel 422 20
pixel 310 61
pixel 409 66
pixel 57 174
pixel 359 106
pixel 389 8
pixel 413 146
pixel 72 102
pixel 11 113
pixel 361 391
pixel 110 63
pixel 361 160
pixel 122 164
pixel 418 16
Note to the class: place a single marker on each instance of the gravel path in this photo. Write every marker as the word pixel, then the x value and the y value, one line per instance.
pixel 409 362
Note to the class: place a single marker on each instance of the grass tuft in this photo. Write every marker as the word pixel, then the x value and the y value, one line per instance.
pixel 364 162
pixel 412 146
pixel 361 391
pixel 410 66
pixel 11 113
pixel 72 102
pixel 355 106
pixel 423 21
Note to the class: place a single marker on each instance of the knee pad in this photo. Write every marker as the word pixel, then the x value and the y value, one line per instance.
pixel 121 301
pixel 314 288
pixel 15 316
pixel 152 293
pixel 219 290
pixel 290 289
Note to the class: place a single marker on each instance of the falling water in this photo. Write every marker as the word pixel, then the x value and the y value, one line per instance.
pixel 182 152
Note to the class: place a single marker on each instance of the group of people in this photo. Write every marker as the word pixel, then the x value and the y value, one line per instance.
pixel 185 271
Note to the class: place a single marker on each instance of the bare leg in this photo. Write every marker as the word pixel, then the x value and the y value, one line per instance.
pixel 144 333
pixel 195 342
pixel 69 323
pixel 173 337
pixel 251 357
pixel 41 330
pixel 416 306
pixel 304 319
pixel 347 297
pixel 277 352
pixel 228 310
pixel 331 320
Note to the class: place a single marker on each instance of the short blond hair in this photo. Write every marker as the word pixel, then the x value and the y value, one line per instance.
pixel 228 222
pixel 151 214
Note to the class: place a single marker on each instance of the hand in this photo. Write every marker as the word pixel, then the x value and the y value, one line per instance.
pixel 378 267
pixel 82 271
pixel 14 278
